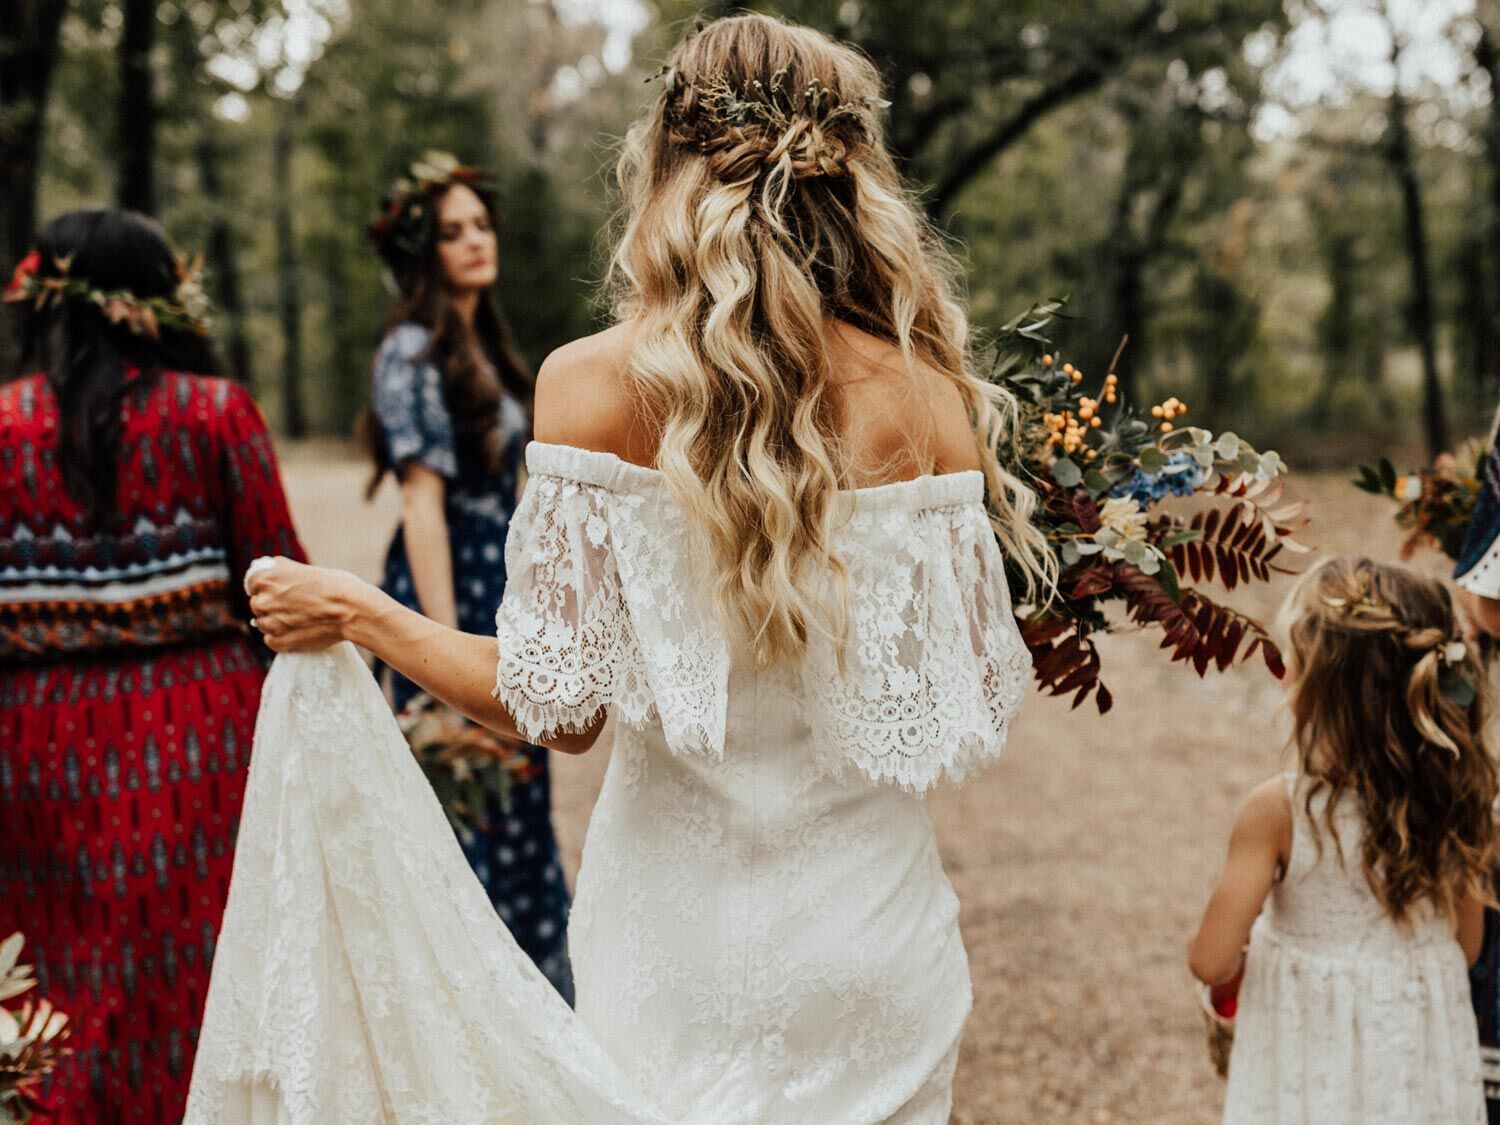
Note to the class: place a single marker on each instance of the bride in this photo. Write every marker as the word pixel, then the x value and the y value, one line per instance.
pixel 760 531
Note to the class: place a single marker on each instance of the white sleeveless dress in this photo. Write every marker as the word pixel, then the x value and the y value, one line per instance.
pixel 1346 1017
pixel 762 931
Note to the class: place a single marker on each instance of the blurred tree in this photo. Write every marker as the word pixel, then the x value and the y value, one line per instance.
pixel 1400 156
pixel 288 268
pixel 135 108
pixel 191 92
pixel 29 36
pixel 971 79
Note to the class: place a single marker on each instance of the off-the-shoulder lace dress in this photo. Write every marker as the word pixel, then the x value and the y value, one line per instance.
pixel 762 931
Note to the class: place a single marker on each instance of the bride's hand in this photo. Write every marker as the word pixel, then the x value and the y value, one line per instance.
pixel 301 608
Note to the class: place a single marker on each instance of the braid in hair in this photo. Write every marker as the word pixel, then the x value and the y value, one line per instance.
pixel 1388 707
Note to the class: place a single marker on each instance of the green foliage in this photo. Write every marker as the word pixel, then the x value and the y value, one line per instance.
pixel 1100 149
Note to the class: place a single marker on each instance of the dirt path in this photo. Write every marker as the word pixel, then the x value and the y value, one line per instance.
pixel 1082 859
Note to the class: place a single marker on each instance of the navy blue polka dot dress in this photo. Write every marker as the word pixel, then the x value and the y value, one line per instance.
pixel 516 858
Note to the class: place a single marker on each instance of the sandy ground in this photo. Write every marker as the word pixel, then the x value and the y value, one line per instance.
pixel 1082 859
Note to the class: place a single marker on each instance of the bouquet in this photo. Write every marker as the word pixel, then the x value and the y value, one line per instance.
pixel 1436 503
pixel 464 763
pixel 31 1040
pixel 1105 474
pixel 1218 1007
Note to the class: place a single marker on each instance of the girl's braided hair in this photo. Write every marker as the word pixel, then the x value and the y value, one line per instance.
pixel 1388 706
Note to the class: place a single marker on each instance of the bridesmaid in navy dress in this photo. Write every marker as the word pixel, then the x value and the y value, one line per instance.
pixel 451 421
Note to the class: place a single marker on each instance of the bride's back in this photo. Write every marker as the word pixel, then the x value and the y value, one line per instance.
pixel 788 326
pixel 892 424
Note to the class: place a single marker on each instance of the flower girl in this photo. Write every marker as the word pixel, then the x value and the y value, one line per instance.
pixel 1359 878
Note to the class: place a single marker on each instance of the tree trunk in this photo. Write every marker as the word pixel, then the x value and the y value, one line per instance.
pixel 137 109
pixel 1487 55
pixel 1472 350
pixel 1423 318
pixel 1336 327
pixel 218 245
pixel 29 31
pixel 288 290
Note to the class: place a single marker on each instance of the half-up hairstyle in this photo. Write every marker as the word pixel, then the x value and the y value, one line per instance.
pixel 1388 707
pixel 759 203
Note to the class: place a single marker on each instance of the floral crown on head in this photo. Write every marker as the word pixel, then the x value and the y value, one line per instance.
pixel 186 310
pixel 710 112
pixel 403 229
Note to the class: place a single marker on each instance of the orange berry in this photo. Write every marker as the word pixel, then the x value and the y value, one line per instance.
pixel 1067 369
pixel 1166 427
pixel 1077 376
pixel 1047 361
pixel 1157 412
pixel 1096 422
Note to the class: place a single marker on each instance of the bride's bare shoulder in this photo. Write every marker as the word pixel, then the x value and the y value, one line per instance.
pixel 900 420
pixel 582 395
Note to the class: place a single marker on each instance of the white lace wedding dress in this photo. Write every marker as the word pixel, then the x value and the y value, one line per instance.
pixel 762 931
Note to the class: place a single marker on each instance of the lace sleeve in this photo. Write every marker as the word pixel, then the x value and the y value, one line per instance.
pixel 934 668
pixel 567 645
pixel 600 611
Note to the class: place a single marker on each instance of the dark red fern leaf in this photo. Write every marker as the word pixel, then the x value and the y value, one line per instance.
pixel 1065 661
pixel 1227 636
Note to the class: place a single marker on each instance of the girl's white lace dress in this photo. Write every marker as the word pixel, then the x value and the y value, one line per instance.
pixel 762 931
pixel 1346 1017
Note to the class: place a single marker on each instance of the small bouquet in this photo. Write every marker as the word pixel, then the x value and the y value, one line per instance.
pixel 1436 503
pixel 32 1040
pixel 1219 1007
pixel 1104 473
pixel 464 763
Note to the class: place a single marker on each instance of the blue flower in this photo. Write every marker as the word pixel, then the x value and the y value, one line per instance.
pixel 1180 477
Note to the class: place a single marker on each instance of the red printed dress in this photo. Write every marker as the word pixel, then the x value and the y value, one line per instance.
pixel 129 682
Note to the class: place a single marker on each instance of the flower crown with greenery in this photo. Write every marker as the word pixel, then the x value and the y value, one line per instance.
pixel 711 113
pixel 403 229
pixel 186 310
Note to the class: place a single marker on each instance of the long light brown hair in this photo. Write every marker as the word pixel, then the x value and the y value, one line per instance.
pixel 759 204
pixel 1382 712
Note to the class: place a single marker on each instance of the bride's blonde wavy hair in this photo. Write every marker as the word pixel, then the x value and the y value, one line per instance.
pixel 759 203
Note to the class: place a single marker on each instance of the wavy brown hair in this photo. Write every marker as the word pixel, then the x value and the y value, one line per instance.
pixel 1380 696
pixel 477 365
pixel 760 204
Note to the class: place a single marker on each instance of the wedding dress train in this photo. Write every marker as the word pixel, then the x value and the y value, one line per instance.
pixel 762 932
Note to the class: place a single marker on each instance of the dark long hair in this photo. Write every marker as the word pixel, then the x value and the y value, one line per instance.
pixel 87 360
pixel 477 365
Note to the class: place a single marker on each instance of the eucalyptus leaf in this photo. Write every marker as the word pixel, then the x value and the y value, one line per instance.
pixel 1066 472
pixel 1178 538
pixel 1167 576
pixel 1152 459
pixel 1228 446
pixel 1460 690
pixel 1097 483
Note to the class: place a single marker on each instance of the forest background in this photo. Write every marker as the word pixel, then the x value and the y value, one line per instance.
pixel 1290 207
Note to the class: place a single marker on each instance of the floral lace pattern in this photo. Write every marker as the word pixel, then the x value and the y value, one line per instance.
pixel 362 974
pixel 760 935
pixel 1346 1017
pixel 602 609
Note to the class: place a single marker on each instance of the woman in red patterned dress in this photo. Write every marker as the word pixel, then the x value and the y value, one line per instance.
pixel 133 495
